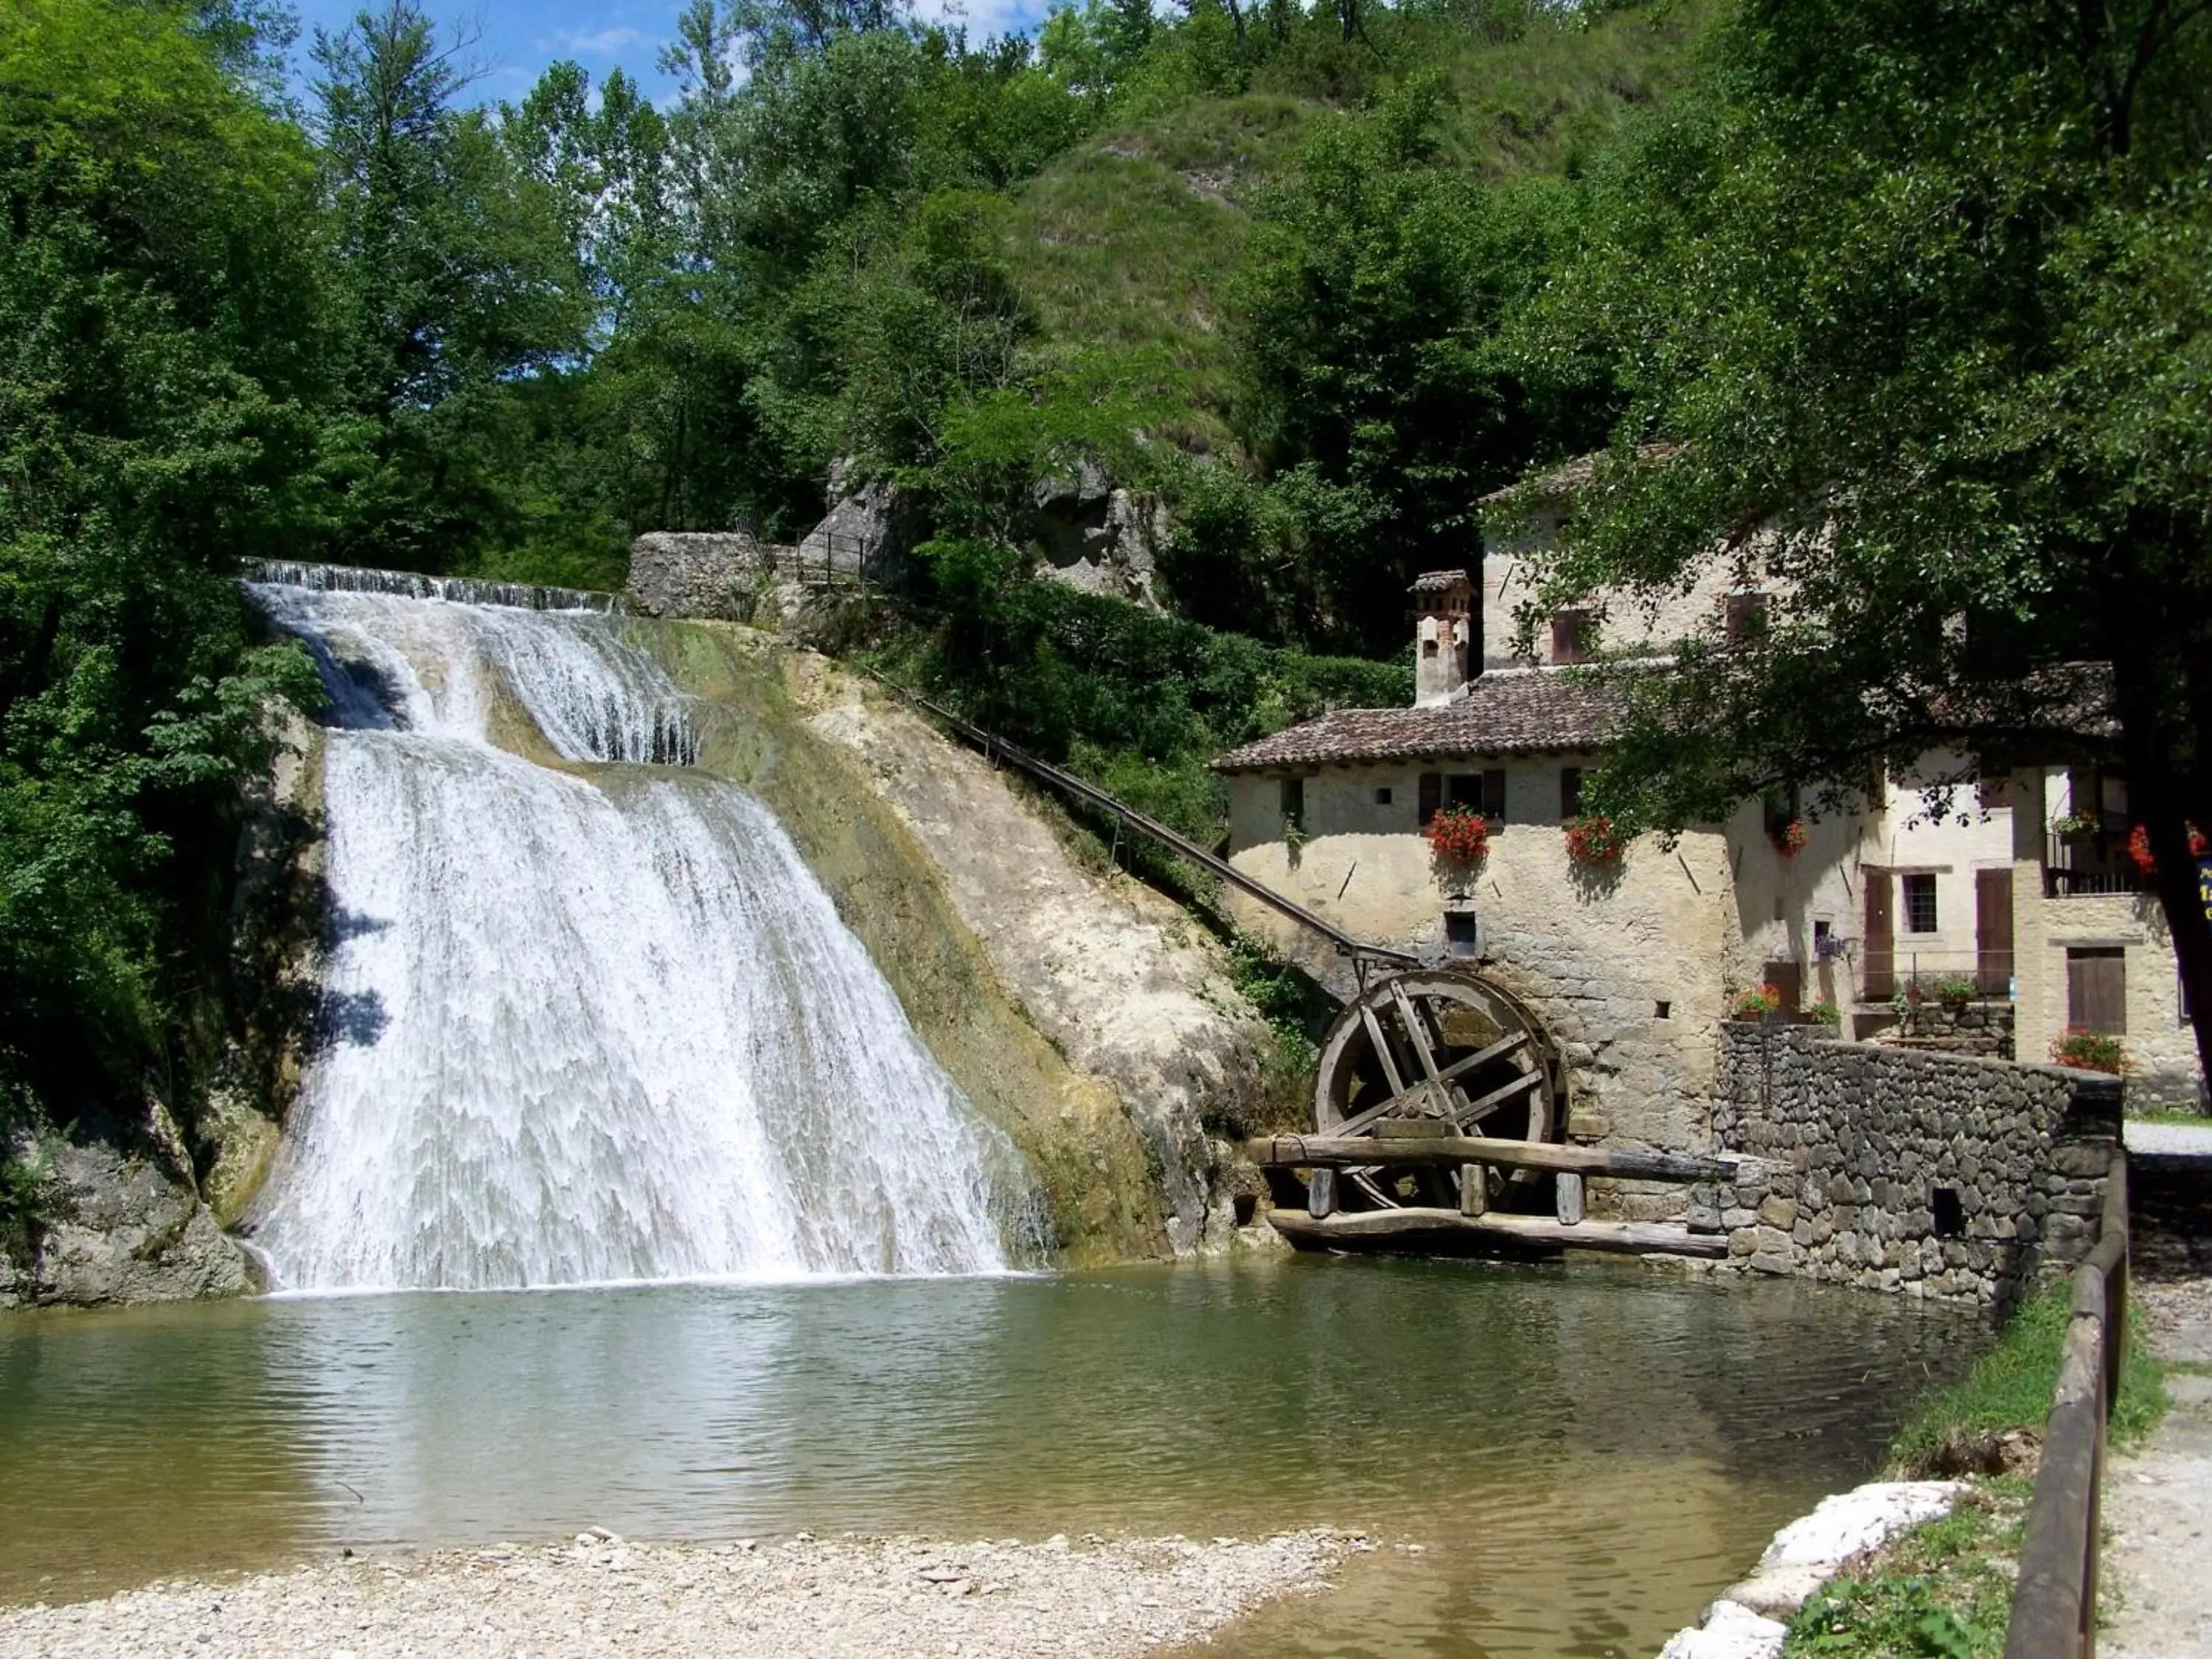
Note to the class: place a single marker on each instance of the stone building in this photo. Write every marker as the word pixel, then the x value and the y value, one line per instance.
pixel 2010 893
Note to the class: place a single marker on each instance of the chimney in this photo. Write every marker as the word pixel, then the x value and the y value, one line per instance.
pixel 1443 636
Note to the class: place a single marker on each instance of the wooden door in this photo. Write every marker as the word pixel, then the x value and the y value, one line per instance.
pixel 2097 990
pixel 1788 978
pixel 1993 932
pixel 1880 936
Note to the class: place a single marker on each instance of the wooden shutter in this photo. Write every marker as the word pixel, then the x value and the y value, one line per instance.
pixel 1432 795
pixel 1570 636
pixel 1880 936
pixel 1789 978
pixel 2097 990
pixel 1747 617
pixel 1993 932
pixel 1571 792
pixel 1493 794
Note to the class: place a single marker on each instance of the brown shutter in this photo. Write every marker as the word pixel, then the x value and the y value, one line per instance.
pixel 1570 636
pixel 1571 792
pixel 1789 978
pixel 1431 794
pixel 1493 795
pixel 2097 990
pixel 1993 931
pixel 1881 937
pixel 1747 617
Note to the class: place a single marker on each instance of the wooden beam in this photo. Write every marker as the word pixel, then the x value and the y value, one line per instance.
pixel 1382 1050
pixel 1374 1227
pixel 1498 1097
pixel 1315 1152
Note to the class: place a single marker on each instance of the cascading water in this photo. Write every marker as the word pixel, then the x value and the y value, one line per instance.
pixel 592 1023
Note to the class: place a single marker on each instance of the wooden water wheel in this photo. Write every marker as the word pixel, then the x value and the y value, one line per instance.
pixel 1431 1052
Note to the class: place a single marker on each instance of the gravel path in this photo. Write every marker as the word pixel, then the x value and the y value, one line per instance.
pixel 838 1599
pixel 2158 1503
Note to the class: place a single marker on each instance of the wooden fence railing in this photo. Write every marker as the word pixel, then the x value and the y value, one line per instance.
pixel 2054 1606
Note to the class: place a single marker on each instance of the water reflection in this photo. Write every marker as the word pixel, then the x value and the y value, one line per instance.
pixel 1586 1454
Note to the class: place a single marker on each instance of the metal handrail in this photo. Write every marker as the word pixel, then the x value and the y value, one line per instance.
pixel 2054 1606
pixel 997 748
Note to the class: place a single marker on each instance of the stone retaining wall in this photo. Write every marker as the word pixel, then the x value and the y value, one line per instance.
pixel 699 573
pixel 1933 1174
pixel 1979 1027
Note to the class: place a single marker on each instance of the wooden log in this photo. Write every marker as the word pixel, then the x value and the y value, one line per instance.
pixel 1382 1228
pixel 1567 1198
pixel 1315 1152
pixel 1474 1189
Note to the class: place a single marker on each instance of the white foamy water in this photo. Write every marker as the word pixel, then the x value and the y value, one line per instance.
pixel 592 1025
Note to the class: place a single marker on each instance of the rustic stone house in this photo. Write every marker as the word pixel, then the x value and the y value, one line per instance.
pixel 1631 964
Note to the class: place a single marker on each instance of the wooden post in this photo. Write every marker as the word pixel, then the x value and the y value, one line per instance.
pixel 1473 1189
pixel 1567 1196
pixel 1321 1195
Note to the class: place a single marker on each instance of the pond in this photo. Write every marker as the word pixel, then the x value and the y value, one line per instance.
pixel 1583 1455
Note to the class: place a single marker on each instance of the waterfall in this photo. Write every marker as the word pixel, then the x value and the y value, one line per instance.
pixel 595 1021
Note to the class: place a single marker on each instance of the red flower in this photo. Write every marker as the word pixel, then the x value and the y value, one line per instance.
pixel 1458 837
pixel 2139 848
pixel 1595 841
pixel 1789 840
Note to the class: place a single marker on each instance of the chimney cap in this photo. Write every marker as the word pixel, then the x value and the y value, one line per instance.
pixel 1439 582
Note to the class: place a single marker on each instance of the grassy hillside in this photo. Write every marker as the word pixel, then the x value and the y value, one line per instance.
pixel 1129 241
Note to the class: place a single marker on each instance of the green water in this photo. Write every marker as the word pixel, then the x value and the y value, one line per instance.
pixel 1584 1454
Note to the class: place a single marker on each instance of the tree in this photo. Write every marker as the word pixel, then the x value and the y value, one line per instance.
pixel 163 291
pixel 1924 295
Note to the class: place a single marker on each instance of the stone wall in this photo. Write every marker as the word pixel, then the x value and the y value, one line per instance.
pixel 1983 1027
pixel 1937 1175
pixel 709 573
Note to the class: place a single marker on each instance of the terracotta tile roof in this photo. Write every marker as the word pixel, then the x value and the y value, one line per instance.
pixel 1569 476
pixel 1439 582
pixel 1507 711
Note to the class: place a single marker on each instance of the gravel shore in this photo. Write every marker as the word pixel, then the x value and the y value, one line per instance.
pixel 825 1599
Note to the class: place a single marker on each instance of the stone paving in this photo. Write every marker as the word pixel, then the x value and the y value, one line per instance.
pixel 2158 1500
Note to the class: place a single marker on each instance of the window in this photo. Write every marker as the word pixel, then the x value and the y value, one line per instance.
pixel 1462 933
pixel 1428 648
pixel 1570 632
pixel 1493 794
pixel 1294 803
pixel 2097 989
pixel 1382 795
pixel 1747 617
pixel 1919 904
pixel 1571 792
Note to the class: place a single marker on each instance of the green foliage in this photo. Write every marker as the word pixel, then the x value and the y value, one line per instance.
pixel 1943 1592
pixel 1298 1012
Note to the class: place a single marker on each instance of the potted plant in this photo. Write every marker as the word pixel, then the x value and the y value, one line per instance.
pixel 1757 1002
pixel 1789 838
pixel 1955 992
pixel 1458 837
pixel 1825 1012
pixel 1595 841
pixel 2090 1051
pixel 2074 823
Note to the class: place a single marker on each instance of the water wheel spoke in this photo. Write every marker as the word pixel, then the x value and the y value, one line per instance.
pixel 1433 1051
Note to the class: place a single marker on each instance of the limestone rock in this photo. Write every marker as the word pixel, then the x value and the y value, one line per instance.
pixel 120 1228
pixel 1730 1631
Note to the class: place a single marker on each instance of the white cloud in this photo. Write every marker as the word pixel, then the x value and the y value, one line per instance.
pixel 598 43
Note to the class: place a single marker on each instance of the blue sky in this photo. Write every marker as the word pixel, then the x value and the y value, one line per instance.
pixel 521 37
